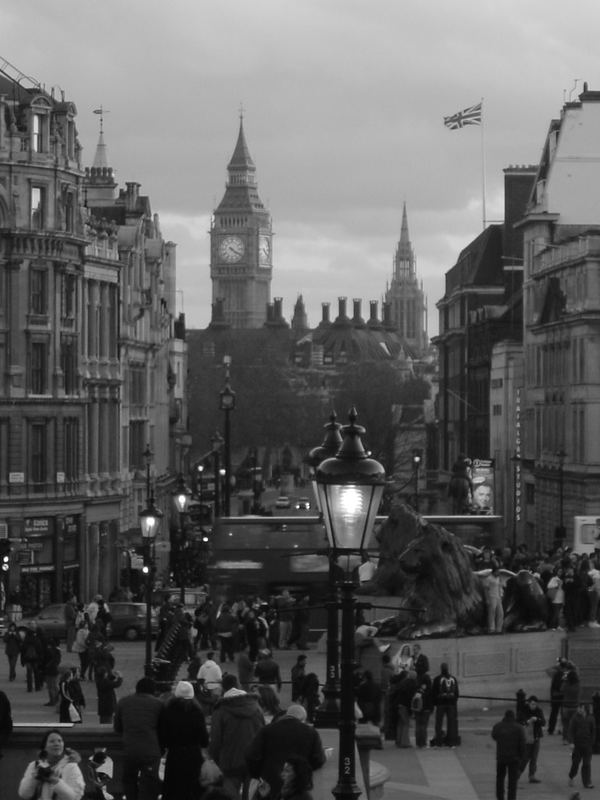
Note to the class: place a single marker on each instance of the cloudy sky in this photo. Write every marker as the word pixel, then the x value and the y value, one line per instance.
pixel 343 106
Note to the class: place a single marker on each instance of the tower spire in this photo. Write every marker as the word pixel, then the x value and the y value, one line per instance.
pixel 101 156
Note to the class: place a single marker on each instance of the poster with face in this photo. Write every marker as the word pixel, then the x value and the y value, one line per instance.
pixel 483 486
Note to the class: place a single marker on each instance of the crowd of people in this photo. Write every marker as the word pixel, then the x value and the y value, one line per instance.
pixel 40 655
pixel 171 752
pixel 570 582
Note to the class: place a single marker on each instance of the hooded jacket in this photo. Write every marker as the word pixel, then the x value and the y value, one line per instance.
pixel 235 721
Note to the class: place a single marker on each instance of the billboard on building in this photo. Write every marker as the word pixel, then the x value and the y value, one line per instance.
pixel 482 476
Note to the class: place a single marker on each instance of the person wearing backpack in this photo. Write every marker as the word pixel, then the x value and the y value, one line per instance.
pixel 445 699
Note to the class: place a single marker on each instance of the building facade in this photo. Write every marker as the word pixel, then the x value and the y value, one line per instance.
pixel 561 230
pixel 481 307
pixel 87 313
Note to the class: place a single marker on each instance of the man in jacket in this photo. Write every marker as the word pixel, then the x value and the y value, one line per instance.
pixel 275 742
pixel 533 720
pixel 510 753
pixel 445 699
pixel 136 719
pixel 235 721
pixel 581 734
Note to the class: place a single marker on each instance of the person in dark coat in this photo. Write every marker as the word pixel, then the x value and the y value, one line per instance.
pixel 510 753
pixel 137 720
pixel 6 722
pixel 235 721
pixel 107 680
pixel 445 699
pixel 275 743
pixel 12 648
pixel 297 675
pixel 69 690
pixel 226 626
pixel 581 734
pixel 32 653
pixel 421 709
pixel 50 669
pixel 182 730
pixel 368 697
pixel 267 670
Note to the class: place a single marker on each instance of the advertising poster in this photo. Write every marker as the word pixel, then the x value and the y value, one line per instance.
pixel 483 486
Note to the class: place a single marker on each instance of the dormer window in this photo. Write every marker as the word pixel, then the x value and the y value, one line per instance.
pixel 38 133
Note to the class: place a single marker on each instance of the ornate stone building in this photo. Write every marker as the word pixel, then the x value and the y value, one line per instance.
pixel 87 365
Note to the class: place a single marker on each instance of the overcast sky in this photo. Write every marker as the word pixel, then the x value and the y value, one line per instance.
pixel 343 112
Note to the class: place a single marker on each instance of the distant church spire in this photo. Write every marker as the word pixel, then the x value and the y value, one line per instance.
pixel 404 262
pixel 405 299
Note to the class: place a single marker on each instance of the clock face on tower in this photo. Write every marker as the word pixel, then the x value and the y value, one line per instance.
pixel 231 249
pixel 264 250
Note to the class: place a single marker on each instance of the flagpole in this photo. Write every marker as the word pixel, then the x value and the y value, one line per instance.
pixel 483 188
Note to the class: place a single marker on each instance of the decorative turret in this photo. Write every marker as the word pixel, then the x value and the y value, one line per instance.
pixel 100 183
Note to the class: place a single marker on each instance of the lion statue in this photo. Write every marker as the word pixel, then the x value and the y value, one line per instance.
pixel 431 570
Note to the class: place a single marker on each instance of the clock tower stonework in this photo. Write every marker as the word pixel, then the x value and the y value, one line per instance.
pixel 241 245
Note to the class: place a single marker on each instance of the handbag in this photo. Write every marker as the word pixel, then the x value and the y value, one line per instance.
pixel 210 774
pixel 74 714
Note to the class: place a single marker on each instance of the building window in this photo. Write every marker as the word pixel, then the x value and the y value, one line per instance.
pixel 70 212
pixel 38 368
pixel 38 291
pixel 68 364
pixel 37 133
pixel 68 296
pixel 37 455
pixel 38 208
pixel 497 409
pixel 530 493
pixel 137 444
pixel 71 450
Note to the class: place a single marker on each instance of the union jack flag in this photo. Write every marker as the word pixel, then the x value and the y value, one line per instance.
pixel 470 116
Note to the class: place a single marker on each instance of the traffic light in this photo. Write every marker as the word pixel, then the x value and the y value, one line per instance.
pixel 5 554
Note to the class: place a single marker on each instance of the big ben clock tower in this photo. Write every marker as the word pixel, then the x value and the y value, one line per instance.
pixel 241 250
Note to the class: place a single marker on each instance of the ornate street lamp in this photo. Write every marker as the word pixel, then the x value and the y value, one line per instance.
pixel 328 713
pixel 227 405
pixel 217 441
pixel 350 486
pixel 181 498
pixel 149 524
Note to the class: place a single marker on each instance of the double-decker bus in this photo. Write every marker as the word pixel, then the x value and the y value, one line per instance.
pixel 263 555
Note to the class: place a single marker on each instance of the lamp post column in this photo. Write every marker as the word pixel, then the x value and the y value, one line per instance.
pixel 347 787
pixel 227 404
pixel 328 713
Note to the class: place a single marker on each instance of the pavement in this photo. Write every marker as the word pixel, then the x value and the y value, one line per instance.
pixel 464 773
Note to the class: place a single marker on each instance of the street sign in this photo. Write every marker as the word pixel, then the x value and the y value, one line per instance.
pixel 162 547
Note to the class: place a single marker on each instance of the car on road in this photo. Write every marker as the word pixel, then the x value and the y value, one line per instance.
pixel 128 621
pixel 302 504
pixel 283 502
